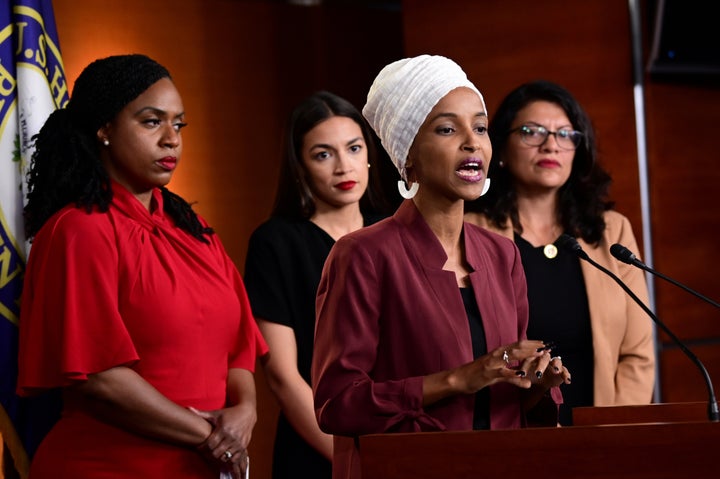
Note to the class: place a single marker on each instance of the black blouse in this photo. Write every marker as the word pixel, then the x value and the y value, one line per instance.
pixel 559 312
pixel 284 262
pixel 481 417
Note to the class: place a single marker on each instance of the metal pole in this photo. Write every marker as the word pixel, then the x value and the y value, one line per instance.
pixel 638 94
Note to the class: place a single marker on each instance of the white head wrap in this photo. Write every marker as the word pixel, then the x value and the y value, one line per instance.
pixel 402 96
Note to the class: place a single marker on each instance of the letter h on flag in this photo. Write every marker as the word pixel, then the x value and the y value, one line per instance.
pixel 32 85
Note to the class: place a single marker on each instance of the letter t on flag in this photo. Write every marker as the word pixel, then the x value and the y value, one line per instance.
pixel 32 85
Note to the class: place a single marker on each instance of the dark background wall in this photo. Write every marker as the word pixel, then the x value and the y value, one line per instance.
pixel 242 65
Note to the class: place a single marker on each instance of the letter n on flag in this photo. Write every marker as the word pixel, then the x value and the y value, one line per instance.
pixel 32 85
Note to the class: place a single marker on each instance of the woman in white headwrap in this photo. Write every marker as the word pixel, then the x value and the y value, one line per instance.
pixel 421 318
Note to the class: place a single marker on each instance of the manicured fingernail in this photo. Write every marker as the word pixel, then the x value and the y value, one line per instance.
pixel 538 374
pixel 520 373
pixel 556 369
pixel 547 346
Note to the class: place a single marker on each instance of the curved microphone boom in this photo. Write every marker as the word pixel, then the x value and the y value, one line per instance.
pixel 569 243
pixel 626 256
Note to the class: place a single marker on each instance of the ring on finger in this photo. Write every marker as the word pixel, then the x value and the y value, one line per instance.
pixel 227 455
pixel 506 357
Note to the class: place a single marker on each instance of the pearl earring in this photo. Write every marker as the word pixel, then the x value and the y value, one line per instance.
pixel 106 142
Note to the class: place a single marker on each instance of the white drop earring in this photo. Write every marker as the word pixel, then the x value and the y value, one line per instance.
pixel 406 193
pixel 486 186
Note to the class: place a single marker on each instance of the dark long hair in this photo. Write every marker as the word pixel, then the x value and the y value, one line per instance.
pixel 294 198
pixel 582 199
pixel 65 167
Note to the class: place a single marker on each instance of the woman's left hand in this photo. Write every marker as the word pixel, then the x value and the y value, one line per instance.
pixel 232 430
pixel 546 371
pixel 555 373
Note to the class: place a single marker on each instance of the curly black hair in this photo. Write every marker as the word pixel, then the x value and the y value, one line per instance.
pixel 65 167
pixel 582 199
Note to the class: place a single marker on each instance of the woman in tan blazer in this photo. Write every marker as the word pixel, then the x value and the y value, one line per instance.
pixel 546 181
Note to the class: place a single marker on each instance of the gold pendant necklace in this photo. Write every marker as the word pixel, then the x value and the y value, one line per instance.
pixel 550 251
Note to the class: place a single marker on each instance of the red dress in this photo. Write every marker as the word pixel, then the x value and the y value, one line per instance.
pixel 127 287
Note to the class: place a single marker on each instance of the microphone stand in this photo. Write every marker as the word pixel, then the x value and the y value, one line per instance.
pixel 570 244
pixel 623 254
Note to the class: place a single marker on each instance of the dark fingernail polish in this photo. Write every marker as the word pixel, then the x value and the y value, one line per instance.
pixel 538 374
pixel 548 345
pixel 520 373
pixel 557 369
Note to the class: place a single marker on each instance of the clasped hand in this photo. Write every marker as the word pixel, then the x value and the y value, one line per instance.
pixel 230 437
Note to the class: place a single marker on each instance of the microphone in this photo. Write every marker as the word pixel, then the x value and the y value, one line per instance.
pixel 569 243
pixel 626 256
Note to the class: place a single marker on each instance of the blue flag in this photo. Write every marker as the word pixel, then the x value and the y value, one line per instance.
pixel 32 85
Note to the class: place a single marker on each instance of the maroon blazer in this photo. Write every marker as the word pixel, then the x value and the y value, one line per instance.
pixel 388 314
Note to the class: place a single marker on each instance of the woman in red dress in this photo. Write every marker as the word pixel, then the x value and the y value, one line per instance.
pixel 131 305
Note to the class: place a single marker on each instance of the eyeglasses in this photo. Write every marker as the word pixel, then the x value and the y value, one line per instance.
pixel 536 135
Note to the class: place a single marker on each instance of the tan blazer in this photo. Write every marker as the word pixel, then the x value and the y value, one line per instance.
pixel 624 350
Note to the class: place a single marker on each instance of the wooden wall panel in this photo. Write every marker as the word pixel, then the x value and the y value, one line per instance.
pixel 685 223
pixel 683 380
pixel 685 173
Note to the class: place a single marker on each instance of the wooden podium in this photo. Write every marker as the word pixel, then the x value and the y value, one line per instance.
pixel 665 412
pixel 654 447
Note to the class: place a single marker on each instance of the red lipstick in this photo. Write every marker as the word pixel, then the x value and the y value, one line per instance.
pixel 168 163
pixel 346 185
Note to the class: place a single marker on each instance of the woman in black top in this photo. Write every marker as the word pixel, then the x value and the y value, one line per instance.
pixel 325 190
